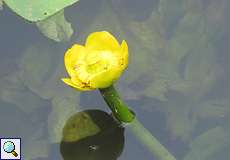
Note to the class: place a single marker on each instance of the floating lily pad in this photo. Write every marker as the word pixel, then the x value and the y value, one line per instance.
pixel 37 10
pixel 92 135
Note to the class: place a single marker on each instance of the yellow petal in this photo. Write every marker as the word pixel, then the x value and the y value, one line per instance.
pixel 77 85
pixel 125 53
pixel 101 41
pixel 106 78
pixel 73 55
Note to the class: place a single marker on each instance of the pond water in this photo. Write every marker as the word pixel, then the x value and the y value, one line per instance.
pixel 177 82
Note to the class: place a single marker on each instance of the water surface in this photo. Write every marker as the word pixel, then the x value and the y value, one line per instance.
pixel 177 81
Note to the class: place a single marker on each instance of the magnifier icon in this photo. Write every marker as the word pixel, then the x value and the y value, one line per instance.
pixel 9 147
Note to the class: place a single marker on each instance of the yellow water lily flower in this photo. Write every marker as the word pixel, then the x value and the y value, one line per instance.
pixel 98 64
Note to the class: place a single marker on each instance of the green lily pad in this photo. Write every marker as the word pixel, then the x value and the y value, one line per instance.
pixel 91 135
pixel 37 10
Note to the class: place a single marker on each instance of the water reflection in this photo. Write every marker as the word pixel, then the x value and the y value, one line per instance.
pixel 92 135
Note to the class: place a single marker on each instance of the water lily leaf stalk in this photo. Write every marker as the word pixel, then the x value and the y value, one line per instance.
pixel 122 113
pixel 149 141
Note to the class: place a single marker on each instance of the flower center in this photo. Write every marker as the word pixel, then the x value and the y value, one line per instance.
pixel 95 63
pixel 100 61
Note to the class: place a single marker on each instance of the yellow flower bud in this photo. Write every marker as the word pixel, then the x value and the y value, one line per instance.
pixel 98 64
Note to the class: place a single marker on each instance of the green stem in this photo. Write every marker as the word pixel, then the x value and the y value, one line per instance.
pixel 119 108
pixel 123 114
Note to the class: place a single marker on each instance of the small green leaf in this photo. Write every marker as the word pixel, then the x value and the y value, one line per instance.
pixel 37 10
pixel 56 27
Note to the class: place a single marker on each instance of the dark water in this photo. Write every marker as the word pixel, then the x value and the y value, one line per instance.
pixel 177 81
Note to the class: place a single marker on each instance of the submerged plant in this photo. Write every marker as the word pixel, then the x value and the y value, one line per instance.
pixel 97 65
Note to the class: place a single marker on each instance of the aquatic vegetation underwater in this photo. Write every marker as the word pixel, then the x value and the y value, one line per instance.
pixel 176 80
